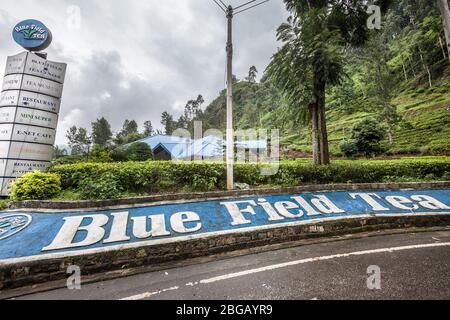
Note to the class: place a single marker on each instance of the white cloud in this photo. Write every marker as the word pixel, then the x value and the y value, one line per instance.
pixel 135 59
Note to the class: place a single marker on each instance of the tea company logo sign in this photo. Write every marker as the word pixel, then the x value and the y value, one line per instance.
pixel 32 35
pixel 10 225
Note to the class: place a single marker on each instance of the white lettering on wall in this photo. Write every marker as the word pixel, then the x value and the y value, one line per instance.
pixel 158 227
pixel 179 220
pixel 430 202
pixel 272 213
pixel 283 208
pixel 310 211
pixel 369 198
pixel 72 225
pixel 400 202
pixel 119 228
pixel 326 205
pixel 237 214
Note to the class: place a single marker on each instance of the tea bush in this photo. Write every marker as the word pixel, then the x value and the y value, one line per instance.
pixel 161 176
pixel 104 187
pixel 36 185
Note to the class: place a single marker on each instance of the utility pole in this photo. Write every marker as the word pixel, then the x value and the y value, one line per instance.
pixel 230 131
pixel 230 13
pixel 443 7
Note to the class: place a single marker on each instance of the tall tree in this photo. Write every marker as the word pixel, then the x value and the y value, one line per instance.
pixel 129 133
pixel 192 112
pixel 129 127
pixel 101 132
pixel 193 108
pixel 315 38
pixel 79 140
pixel 252 73
pixel 445 12
pixel 380 81
pixel 168 123
pixel 148 128
pixel 182 123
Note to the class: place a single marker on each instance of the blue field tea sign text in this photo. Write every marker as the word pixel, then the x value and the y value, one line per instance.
pixel 32 35
pixel 50 235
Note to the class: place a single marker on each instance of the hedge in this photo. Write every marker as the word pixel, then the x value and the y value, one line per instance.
pixel 153 176
pixel 36 186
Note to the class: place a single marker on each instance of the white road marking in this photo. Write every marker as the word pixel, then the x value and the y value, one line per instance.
pixel 335 256
pixel 291 263
pixel 146 295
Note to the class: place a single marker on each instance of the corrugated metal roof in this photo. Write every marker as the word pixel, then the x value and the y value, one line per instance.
pixel 154 141
pixel 206 148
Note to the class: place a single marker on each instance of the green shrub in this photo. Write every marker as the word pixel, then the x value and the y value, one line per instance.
pixel 162 176
pixel 368 135
pixel 36 185
pixel 4 204
pixel 99 154
pixel 187 175
pixel 139 151
pixel 119 155
pixel 349 148
pixel 420 90
pixel 202 183
pixel 287 177
pixel 104 187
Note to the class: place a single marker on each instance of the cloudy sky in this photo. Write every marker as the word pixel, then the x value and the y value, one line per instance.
pixel 135 59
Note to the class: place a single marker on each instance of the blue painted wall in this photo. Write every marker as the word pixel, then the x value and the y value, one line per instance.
pixel 28 238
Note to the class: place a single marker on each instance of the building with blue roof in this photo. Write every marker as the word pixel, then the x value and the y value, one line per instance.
pixel 208 148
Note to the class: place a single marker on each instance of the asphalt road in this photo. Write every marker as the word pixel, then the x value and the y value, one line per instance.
pixel 413 266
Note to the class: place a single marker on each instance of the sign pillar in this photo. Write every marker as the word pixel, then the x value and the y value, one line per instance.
pixel 30 102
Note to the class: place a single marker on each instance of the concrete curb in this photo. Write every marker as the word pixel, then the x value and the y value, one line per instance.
pixel 207 196
pixel 41 271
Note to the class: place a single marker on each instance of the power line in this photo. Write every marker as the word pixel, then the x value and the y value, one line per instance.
pixel 225 6
pixel 256 5
pixel 220 6
pixel 243 5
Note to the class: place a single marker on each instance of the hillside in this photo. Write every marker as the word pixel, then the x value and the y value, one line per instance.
pixel 400 76
pixel 424 127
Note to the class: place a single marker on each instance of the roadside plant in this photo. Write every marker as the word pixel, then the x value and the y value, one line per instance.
pixel 104 187
pixel 349 148
pixel 36 185
pixel 368 135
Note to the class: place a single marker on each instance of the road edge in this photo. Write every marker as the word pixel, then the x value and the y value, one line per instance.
pixel 16 275
pixel 112 275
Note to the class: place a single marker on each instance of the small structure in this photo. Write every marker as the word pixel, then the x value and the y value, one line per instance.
pixel 208 148
pixel 166 147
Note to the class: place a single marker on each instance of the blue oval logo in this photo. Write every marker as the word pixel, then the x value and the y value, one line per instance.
pixel 32 35
pixel 12 224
